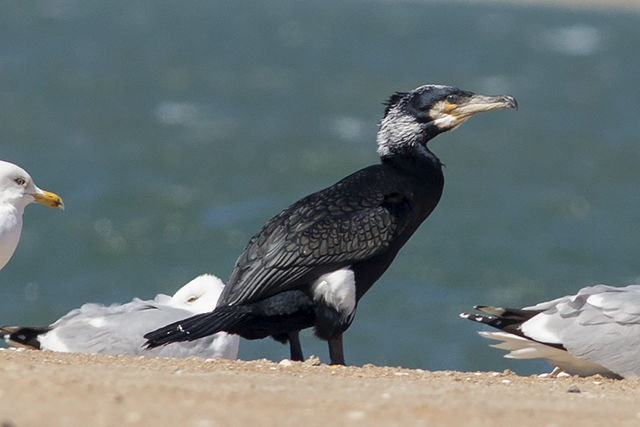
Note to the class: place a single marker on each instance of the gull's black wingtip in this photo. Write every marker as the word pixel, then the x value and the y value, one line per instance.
pixel 476 317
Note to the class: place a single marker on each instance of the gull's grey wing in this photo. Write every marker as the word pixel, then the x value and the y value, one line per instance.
pixel 119 329
pixel 600 324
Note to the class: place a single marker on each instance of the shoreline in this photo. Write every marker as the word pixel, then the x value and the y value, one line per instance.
pixel 613 5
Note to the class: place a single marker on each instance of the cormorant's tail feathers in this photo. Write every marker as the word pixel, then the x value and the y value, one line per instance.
pixel 194 327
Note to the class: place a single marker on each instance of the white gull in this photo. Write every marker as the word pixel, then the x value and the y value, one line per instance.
pixel 596 331
pixel 118 328
pixel 17 190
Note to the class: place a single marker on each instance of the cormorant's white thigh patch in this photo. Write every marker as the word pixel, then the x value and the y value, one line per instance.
pixel 337 289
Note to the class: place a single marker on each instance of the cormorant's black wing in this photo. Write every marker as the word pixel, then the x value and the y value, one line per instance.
pixel 349 222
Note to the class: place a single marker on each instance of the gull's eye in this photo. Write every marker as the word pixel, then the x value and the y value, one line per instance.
pixel 192 299
pixel 452 99
pixel 20 181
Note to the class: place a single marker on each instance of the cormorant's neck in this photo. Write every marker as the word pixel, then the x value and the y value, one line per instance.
pixel 416 158
pixel 408 138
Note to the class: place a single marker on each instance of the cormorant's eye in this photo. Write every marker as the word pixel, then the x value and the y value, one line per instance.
pixel 192 299
pixel 20 181
pixel 452 99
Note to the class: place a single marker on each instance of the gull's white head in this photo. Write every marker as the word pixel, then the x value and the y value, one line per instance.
pixel 17 189
pixel 199 295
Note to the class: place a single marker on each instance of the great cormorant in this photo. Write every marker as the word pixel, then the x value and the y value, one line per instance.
pixel 311 264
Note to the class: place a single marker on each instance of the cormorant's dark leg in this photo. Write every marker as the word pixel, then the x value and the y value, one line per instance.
pixel 294 346
pixel 335 351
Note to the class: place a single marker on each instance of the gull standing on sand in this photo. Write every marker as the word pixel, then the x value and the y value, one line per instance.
pixel 596 331
pixel 118 329
pixel 17 190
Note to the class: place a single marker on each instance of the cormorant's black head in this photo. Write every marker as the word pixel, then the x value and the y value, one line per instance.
pixel 412 119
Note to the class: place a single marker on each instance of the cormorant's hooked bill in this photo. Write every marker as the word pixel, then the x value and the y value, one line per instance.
pixel 463 107
pixel 309 265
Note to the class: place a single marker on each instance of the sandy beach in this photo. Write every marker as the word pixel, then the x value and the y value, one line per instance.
pixel 56 389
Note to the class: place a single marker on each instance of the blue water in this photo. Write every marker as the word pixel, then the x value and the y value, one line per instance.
pixel 174 130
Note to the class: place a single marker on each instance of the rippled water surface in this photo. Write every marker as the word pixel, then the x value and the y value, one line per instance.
pixel 174 130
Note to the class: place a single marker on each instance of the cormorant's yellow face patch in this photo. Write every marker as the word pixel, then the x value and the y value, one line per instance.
pixel 442 108
pixel 452 111
pixel 449 107
pixel 446 115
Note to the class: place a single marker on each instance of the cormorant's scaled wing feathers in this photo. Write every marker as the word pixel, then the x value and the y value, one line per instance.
pixel 334 228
